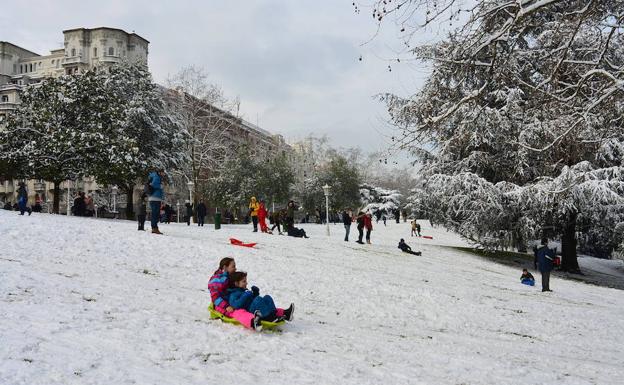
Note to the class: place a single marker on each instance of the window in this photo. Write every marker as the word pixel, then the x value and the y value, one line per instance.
pixel 94 51
pixel 52 61
pixel 31 70
pixel 73 51
pixel 5 98
pixel 111 51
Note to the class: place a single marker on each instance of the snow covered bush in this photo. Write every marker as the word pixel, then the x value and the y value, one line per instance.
pixel 379 201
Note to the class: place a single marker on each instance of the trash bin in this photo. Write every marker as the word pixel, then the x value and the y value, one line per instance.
pixel 217 221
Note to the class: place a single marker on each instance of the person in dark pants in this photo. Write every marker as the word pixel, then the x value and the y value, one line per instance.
pixel 290 215
pixel 406 248
pixel 201 213
pixel 254 206
pixel 142 212
pixel 360 227
pixel 22 198
pixel 189 212
pixel 368 224
pixel 156 195
pixel 346 221
pixel 277 220
pixel 545 257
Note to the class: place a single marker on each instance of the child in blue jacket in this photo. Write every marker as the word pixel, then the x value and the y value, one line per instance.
pixel 240 298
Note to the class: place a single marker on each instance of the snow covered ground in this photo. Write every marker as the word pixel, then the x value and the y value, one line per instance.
pixel 88 301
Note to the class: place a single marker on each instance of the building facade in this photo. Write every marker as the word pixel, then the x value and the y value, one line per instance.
pixel 95 49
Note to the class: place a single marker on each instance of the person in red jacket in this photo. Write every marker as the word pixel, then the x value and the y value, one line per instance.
pixel 262 214
pixel 368 225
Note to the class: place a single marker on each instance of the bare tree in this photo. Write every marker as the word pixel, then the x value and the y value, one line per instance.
pixel 210 118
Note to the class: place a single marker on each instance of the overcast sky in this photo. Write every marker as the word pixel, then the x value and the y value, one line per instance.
pixel 293 63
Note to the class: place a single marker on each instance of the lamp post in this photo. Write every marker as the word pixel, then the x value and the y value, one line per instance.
pixel 114 191
pixel 68 198
pixel 96 211
pixel 326 191
pixel 190 185
pixel 178 206
pixel 48 203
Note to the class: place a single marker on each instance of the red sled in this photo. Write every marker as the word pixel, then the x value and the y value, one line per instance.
pixel 427 236
pixel 236 242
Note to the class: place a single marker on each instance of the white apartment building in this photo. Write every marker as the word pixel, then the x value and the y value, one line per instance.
pixel 85 49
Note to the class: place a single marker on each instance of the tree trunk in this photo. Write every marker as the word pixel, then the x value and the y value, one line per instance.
pixel 130 202
pixel 520 244
pixel 57 197
pixel 568 246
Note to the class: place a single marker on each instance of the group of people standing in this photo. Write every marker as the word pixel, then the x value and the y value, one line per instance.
pixel 363 220
pixel 283 220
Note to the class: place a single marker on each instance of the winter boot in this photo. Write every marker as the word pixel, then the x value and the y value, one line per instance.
pixel 289 314
pixel 156 231
pixel 256 321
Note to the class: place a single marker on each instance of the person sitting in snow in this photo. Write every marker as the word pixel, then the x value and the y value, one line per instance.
pixel 527 278
pixel 240 298
pixel 296 232
pixel 406 249
pixel 218 285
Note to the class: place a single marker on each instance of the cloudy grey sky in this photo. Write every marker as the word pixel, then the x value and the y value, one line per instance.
pixel 294 64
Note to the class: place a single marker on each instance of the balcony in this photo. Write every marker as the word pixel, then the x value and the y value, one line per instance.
pixel 8 106
pixel 110 59
pixel 72 60
pixel 10 86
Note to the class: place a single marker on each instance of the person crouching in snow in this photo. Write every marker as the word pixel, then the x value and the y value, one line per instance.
pixel 240 298
pixel 406 249
pixel 218 285
pixel 527 278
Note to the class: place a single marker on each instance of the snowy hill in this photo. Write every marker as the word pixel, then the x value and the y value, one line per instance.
pixel 87 301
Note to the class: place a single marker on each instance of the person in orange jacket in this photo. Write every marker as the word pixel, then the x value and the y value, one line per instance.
pixel 253 213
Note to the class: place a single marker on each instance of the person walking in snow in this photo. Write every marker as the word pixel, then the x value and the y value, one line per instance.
pixel 406 248
pixel 383 217
pixel 277 217
pixel 142 212
pixel 155 196
pixel 218 285
pixel 368 224
pixel 545 258
pixel 262 214
pixel 22 198
pixel 346 221
pixel 360 227
pixel 253 213
pixel 189 212
pixel 240 298
pixel 417 227
pixel 202 210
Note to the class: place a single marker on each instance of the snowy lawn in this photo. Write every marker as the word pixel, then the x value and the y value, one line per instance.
pixel 88 301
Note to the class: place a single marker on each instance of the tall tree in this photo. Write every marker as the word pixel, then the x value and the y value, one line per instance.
pixel 521 100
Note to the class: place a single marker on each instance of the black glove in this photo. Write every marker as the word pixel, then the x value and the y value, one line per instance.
pixel 255 291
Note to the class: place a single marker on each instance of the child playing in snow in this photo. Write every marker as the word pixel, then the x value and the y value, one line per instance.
pixel 527 278
pixel 240 298
pixel 406 249
pixel 218 285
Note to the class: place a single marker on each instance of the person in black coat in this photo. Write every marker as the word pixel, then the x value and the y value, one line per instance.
pixel 545 258
pixel 189 212
pixel 360 227
pixel 142 212
pixel 406 249
pixel 201 213
pixel 346 221
pixel 80 205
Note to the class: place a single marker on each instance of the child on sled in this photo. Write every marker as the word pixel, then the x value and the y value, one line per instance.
pixel 240 298
pixel 218 285
pixel 527 278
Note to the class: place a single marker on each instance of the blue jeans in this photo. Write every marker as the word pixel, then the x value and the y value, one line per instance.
pixel 265 304
pixel 155 207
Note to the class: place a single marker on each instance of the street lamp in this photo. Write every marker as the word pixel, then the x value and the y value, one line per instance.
pixel 114 191
pixel 326 191
pixel 178 206
pixel 190 185
pixel 48 203
pixel 68 198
